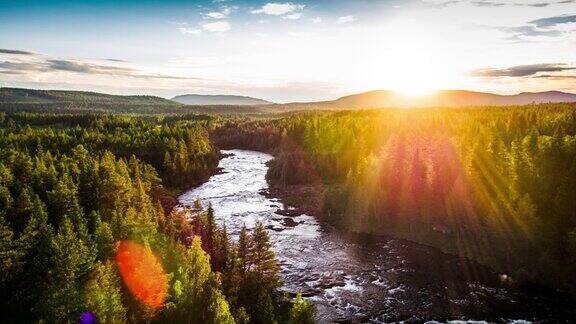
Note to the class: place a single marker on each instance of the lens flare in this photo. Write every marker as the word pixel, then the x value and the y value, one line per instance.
pixel 87 318
pixel 142 273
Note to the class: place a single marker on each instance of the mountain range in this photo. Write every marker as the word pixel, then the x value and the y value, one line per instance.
pixel 16 99
pixel 205 100
pixel 33 96
pixel 443 98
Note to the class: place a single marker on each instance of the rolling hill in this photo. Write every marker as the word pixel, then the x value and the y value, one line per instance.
pixel 19 95
pixel 444 98
pixel 30 100
pixel 205 100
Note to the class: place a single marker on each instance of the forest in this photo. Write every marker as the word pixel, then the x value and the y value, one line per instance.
pixel 88 229
pixel 494 184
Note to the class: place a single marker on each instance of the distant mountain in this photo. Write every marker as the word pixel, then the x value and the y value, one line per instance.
pixel 29 100
pixel 470 98
pixel 205 100
pixel 62 101
pixel 444 98
pixel 19 95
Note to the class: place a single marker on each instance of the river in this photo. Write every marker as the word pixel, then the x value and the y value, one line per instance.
pixel 360 278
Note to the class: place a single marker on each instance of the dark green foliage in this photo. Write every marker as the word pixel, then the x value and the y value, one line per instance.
pixel 249 268
pixel 103 294
pixel 73 186
pixel 16 99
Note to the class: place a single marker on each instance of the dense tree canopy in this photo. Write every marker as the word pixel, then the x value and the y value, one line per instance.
pixel 497 184
pixel 86 229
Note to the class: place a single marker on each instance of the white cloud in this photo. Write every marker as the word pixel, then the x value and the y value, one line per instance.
pixel 219 26
pixel 316 20
pixel 345 19
pixel 193 31
pixel 215 15
pixel 222 14
pixel 294 16
pixel 278 9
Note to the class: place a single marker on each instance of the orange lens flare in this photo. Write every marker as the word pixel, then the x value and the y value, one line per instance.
pixel 142 273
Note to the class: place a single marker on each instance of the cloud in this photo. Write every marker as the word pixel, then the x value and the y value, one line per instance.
pixel 522 70
pixel 219 26
pixel 216 15
pixel 64 65
pixel 8 67
pixel 529 31
pixel 553 21
pixel 191 31
pixel 14 52
pixel 294 16
pixel 222 14
pixel 278 9
pixel 539 27
pixel 316 20
pixel 76 66
pixel 345 19
pixel 556 76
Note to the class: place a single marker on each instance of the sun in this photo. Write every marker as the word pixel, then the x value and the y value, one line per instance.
pixel 406 59
pixel 415 90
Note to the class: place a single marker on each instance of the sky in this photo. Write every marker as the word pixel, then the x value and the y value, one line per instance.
pixel 288 51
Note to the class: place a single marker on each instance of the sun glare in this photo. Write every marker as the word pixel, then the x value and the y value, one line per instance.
pixel 410 60
pixel 415 90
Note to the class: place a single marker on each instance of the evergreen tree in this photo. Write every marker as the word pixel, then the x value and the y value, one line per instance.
pixel 245 248
pixel 104 296
pixel 302 311
pixel 265 264
pixel 71 261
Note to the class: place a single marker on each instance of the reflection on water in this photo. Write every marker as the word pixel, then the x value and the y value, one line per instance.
pixel 351 277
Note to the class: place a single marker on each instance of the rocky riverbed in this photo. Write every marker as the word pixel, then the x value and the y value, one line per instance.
pixel 359 278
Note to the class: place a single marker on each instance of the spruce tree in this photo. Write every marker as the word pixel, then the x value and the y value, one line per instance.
pixel 265 264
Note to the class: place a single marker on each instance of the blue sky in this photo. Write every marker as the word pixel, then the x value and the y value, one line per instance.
pixel 288 51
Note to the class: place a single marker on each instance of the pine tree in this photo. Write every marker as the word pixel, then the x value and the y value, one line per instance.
pixel 71 260
pixel 197 206
pixel 245 246
pixel 63 202
pixel 302 311
pixel 22 208
pixel 9 253
pixel 104 296
pixel 210 223
pixel 222 249
pixel 265 264
pixel 196 297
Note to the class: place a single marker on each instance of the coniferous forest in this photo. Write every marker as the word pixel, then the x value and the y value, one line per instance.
pixel 494 184
pixel 288 162
pixel 89 225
